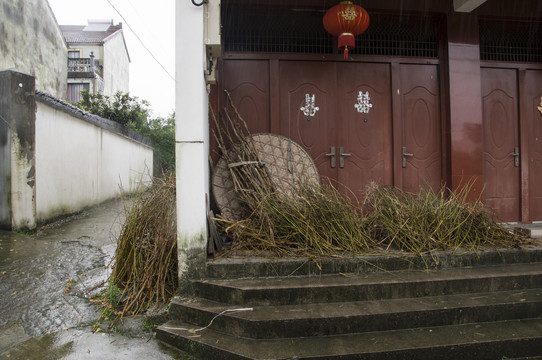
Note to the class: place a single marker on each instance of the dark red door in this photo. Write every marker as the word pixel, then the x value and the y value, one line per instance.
pixel 341 113
pixel 364 117
pixel 421 152
pixel 247 81
pixel 533 121
pixel 501 142
pixel 307 110
pixel 349 135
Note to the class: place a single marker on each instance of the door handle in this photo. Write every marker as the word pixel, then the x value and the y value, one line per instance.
pixel 405 154
pixel 342 155
pixel 515 154
pixel 331 156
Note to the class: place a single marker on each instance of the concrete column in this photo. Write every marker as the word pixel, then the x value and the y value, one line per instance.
pixel 192 141
pixel 5 168
pixel 18 112
pixel 466 148
pixel 92 68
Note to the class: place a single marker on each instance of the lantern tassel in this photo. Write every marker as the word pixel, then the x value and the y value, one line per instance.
pixel 346 52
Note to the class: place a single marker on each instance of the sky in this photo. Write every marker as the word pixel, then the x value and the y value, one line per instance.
pixel 153 22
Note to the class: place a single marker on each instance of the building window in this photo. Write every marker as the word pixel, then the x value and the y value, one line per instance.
pixel 74 91
pixel 74 54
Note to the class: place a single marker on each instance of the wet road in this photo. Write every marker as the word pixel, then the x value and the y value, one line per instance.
pixel 46 281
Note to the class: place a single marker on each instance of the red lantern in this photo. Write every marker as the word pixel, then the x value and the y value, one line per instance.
pixel 346 20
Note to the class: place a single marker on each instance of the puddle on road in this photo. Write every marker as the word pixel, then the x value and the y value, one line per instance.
pixel 43 347
pixel 44 290
pixel 79 344
pixel 14 247
pixel 34 279
pixel 36 270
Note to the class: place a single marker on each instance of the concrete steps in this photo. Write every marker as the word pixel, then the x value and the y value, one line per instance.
pixel 288 321
pixel 481 312
pixel 377 286
pixel 495 340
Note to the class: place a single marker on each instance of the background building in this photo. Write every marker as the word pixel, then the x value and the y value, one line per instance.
pixel 98 59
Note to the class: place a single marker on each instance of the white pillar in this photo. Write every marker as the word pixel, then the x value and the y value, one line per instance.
pixel 192 139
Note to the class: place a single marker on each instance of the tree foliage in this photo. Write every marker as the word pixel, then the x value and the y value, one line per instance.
pixel 133 113
pixel 161 131
pixel 122 108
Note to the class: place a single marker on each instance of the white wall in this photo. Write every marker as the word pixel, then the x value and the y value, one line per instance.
pixel 79 164
pixel 23 211
pixel 29 39
pixel 116 65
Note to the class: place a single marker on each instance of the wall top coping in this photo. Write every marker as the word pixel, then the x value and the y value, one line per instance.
pixel 96 120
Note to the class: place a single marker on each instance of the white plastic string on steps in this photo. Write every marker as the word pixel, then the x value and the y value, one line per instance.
pixel 213 319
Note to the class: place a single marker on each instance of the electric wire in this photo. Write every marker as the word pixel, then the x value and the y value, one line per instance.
pixel 141 41
pixel 147 28
pixel 193 331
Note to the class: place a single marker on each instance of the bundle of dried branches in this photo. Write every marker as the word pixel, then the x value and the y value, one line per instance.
pixel 145 262
pixel 251 180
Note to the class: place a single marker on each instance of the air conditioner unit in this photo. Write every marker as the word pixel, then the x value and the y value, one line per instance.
pixel 212 38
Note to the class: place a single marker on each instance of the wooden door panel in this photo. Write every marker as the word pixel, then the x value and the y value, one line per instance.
pixel 533 121
pixel 367 136
pixel 317 109
pixel 420 109
pixel 307 102
pixel 247 81
pixel 500 136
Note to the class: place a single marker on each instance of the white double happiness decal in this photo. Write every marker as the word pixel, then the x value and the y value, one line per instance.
pixel 310 107
pixel 363 105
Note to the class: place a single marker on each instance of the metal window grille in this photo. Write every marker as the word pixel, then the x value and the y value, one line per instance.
pixel 405 36
pixel 277 30
pixel 301 31
pixel 519 42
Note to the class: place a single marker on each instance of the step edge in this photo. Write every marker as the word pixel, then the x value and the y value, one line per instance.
pixel 276 342
pixel 254 295
pixel 258 266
